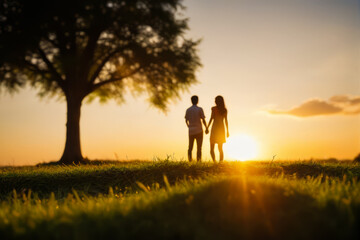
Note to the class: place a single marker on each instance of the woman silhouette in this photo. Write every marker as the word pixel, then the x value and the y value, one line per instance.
pixel 217 135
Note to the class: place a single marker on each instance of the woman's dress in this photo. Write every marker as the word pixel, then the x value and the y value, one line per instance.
pixel 217 134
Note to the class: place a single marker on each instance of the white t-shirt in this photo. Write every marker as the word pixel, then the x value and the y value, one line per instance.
pixel 194 114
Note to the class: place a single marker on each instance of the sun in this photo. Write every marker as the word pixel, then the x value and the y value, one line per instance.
pixel 241 147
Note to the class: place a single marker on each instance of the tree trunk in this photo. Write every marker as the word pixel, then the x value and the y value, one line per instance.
pixel 72 152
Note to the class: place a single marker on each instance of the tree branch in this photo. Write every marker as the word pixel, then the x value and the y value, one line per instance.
pixel 52 42
pixel 112 80
pixel 35 68
pixel 52 69
pixel 100 84
pixel 89 50
pixel 102 64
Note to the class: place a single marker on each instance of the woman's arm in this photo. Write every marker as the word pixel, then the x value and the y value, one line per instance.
pixel 211 118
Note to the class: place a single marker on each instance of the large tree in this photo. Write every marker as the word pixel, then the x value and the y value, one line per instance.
pixel 94 49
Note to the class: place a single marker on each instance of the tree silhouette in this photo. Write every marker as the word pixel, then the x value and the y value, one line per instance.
pixel 96 49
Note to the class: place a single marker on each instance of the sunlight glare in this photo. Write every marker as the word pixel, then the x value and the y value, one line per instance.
pixel 241 147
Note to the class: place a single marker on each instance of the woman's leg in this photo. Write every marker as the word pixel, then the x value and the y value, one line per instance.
pixel 220 146
pixel 212 153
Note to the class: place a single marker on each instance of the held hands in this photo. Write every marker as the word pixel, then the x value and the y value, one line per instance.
pixel 206 130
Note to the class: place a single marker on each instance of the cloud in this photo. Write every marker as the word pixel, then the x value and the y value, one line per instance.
pixel 339 104
pixel 344 99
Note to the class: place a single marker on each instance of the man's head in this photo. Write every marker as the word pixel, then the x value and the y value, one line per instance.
pixel 194 100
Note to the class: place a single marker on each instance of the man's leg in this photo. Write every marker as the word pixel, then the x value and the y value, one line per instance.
pixel 191 144
pixel 199 140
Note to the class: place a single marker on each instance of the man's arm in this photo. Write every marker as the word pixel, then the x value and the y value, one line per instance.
pixel 187 118
pixel 202 116
pixel 206 127
pixel 204 122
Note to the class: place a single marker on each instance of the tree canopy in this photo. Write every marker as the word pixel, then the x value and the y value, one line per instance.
pixel 96 48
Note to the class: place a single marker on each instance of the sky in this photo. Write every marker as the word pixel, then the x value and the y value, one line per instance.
pixel 289 72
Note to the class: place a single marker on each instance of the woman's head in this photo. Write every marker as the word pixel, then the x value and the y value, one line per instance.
pixel 220 104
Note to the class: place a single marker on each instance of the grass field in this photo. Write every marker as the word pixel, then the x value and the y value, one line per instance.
pixel 179 200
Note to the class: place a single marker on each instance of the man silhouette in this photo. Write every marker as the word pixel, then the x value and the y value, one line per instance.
pixel 193 118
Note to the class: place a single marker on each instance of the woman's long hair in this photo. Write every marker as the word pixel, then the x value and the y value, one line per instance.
pixel 220 104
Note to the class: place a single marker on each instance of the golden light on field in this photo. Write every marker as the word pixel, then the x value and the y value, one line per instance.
pixel 291 93
pixel 241 147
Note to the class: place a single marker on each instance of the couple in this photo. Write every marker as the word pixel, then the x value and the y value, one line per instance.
pixel 194 119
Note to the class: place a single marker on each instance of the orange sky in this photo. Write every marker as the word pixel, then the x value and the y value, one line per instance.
pixel 288 70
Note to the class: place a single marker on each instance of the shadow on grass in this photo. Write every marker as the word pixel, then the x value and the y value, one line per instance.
pixel 97 179
pixel 228 209
pixel 99 176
